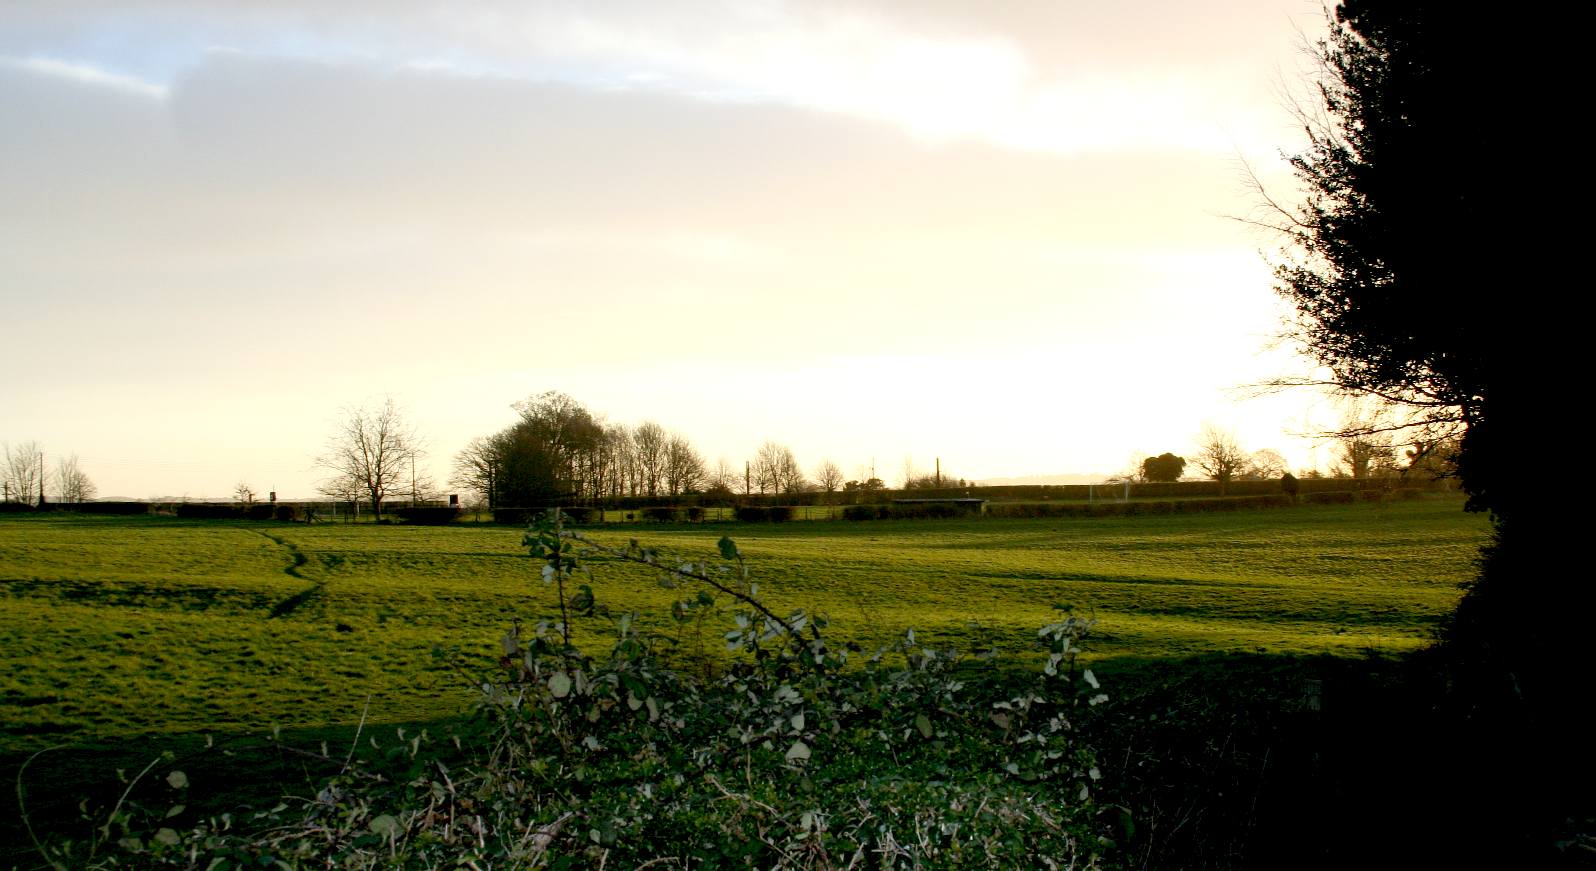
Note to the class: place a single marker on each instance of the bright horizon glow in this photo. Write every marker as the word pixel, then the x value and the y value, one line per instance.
pixel 890 234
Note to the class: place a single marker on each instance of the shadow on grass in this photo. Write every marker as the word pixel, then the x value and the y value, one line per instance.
pixel 236 773
pixel 1261 761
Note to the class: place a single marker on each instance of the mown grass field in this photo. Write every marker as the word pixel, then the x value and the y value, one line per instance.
pixel 113 627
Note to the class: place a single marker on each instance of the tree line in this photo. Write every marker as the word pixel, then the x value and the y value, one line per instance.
pixel 26 478
pixel 559 451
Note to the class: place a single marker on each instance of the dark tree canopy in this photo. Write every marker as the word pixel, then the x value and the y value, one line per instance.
pixel 1433 262
pixel 1411 249
pixel 1164 468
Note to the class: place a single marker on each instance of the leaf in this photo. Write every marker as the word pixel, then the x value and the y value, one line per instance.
pixel 1090 678
pixel 798 752
pixel 174 810
pixel 560 684
pixel 167 837
pixel 923 723
pixel 728 548
pixel 798 721
pixel 177 779
pixel 386 824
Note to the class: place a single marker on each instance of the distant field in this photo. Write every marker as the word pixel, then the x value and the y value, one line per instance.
pixel 113 626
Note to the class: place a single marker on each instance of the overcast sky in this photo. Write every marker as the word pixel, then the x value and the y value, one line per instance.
pixel 872 231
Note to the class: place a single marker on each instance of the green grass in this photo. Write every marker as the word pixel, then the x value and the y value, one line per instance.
pixel 113 627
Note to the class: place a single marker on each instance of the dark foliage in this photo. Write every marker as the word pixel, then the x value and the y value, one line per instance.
pixel 1164 468
pixel 1429 265
pixel 662 514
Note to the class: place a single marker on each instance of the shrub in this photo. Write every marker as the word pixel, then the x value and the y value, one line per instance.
pixel 695 514
pixel 753 513
pixel 287 513
pixel 780 513
pixel 662 513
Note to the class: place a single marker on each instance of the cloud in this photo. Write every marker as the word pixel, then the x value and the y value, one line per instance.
pixel 1058 77
pixel 85 74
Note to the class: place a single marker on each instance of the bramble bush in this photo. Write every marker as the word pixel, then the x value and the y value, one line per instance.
pixel 791 752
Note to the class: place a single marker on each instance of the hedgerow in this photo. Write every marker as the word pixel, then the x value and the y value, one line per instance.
pixel 794 752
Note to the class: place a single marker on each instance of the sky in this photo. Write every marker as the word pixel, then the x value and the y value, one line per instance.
pixel 881 233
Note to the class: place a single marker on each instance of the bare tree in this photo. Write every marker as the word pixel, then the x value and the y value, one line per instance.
pixel 651 440
pixel 828 477
pixel 72 484
pixel 725 479
pixel 1361 456
pixel 1363 443
pixel 243 493
pixel 684 467
pixel 776 470
pixel 24 473
pixel 1266 464
pixel 1219 457
pixel 372 448
pixel 345 489
pixel 476 470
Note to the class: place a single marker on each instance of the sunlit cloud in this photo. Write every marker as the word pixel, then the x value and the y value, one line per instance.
pixel 86 74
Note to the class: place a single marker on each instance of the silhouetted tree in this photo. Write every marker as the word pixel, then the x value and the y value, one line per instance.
pixel 372 449
pixel 828 477
pixel 72 484
pixel 1426 274
pixel 24 472
pixel 1414 204
pixel 1219 456
pixel 684 467
pixel 1265 464
pixel 1164 468
pixel 776 470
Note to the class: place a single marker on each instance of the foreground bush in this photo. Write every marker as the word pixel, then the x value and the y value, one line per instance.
pixel 799 753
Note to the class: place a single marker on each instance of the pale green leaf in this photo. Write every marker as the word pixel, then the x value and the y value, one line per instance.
pixel 560 684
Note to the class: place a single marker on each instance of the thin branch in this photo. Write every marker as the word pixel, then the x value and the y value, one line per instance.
pixel 697 576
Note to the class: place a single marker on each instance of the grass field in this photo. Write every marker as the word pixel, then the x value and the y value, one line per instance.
pixel 113 627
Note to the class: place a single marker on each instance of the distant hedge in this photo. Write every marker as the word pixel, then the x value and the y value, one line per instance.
pixel 208 511
pixel 765 513
pixel 523 516
pixel 101 507
pixel 1134 509
pixel 427 515
pixel 662 513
